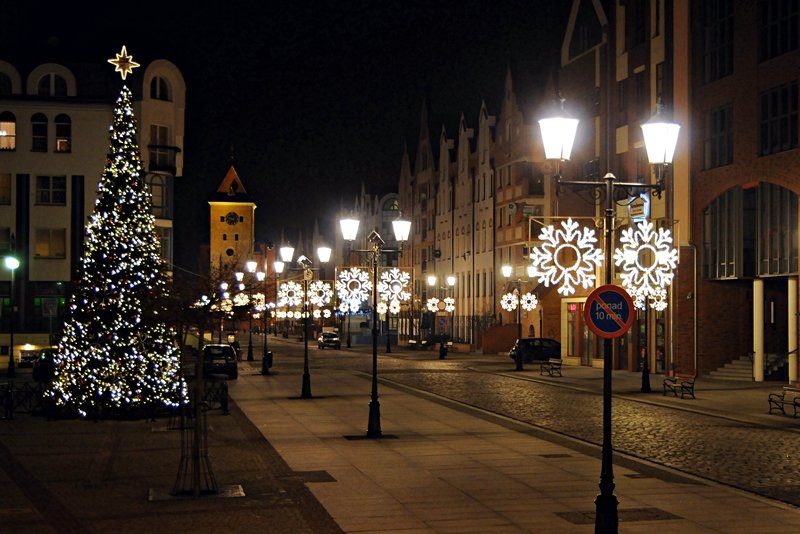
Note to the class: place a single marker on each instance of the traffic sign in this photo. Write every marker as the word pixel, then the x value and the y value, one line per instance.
pixel 608 311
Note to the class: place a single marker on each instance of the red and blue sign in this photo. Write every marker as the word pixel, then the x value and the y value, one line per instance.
pixel 609 311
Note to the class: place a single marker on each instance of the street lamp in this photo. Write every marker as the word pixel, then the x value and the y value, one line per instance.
pixel 11 263
pixel 660 137
pixel 349 228
pixel 401 229
pixel 251 268
pixel 266 356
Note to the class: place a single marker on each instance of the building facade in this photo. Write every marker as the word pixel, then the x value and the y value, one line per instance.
pixel 54 123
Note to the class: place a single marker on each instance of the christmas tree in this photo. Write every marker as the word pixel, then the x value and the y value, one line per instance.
pixel 117 353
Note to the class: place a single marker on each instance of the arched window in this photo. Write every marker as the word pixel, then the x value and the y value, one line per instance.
pixel 5 84
pixel 391 205
pixel 8 131
pixel 63 133
pixel 52 85
pixel 157 185
pixel 160 89
pixel 39 132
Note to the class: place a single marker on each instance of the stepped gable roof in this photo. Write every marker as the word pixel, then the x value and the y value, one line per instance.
pixel 231 189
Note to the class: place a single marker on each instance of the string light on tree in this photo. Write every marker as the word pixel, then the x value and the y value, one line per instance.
pixel 567 257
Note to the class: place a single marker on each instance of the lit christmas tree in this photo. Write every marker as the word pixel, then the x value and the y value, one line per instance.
pixel 117 354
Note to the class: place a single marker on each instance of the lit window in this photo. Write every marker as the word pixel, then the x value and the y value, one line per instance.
pixel 63 133
pixel 51 190
pixel 51 243
pixel 39 132
pixel 8 131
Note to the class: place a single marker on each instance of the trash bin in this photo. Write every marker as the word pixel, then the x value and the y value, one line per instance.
pixel 266 363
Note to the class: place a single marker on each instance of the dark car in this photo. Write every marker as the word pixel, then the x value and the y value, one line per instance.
pixel 329 339
pixel 220 359
pixel 536 349
pixel 45 365
pixel 27 358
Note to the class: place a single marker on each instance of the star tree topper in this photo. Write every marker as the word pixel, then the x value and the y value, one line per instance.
pixel 123 63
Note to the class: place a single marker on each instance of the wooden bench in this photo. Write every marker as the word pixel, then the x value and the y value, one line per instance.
pixel 451 346
pixel 790 396
pixel 680 383
pixel 552 367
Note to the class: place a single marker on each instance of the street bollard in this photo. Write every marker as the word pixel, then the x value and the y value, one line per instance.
pixel 266 363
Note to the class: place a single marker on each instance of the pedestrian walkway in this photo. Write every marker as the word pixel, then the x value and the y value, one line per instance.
pixel 443 467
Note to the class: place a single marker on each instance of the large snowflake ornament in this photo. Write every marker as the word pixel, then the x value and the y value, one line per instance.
pixel 392 285
pixel 568 257
pixel 290 294
pixel 449 304
pixel 353 286
pixel 529 302
pixel 433 304
pixel 509 302
pixel 319 293
pixel 648 261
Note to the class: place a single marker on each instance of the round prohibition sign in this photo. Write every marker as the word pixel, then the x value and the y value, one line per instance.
pixel 608 311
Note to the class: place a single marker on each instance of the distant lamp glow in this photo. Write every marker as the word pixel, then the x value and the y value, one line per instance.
pixel 431 280
pixel 349 229
pixel 286 252
pixel 324 254
pixel 531 271
pixel 260 276
pixel 401 227
pixel 660 139
pixel 251 266
pixel 506 270
pixel 451 280
pixel 278 266
pixel 11 262
pixel 558 134
pixel 224 286
pixel 239 276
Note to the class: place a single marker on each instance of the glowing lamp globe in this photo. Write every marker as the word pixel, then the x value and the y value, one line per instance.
pixel 451 280
pixel 506 270
pixel 431 280
pixel 401 227
pixel 558 136
pixel 349 229
pixel 278 266
pixel 324 254
pixel 11 262
pixel 286 252
pixel 660 139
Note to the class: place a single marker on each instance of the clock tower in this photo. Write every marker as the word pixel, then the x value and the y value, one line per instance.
pixel 232 224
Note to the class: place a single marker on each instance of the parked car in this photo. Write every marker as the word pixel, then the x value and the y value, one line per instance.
pixel 535 349
pixel 27 358
pixel 220 359
pixel 44 367
pixel 329 339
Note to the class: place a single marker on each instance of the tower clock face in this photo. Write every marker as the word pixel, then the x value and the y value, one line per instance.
pixel 232 218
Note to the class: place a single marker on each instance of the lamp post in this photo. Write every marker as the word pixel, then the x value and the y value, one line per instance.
pixel 11 263
pixel 401 229
pixel 251 268
pixel 223 287
pixel 660 137
pixel 432 280
pixel 266 356
pixel 286 253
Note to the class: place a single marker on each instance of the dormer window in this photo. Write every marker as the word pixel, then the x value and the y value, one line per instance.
pixel 52 85
pixel 160 89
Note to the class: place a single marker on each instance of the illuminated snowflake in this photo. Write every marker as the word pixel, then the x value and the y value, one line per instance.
pixel 319 293
pixel 392 285
pixel 449 304
pixel 382 308
pixel 241 299
pixel 290 294
pixel 394 307
pixel 316 313
pixel 353 286
pixel 280 314
pixel 226 305
pixel 508 302
pixel 648 261
pixel 567 257
pixel 529 302
pixel 433 304
pixel 326 313
pixel 259 301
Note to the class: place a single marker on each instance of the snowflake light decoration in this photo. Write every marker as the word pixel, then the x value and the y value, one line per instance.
pixel 567 242
pixel 394 307
pixel 508 302
pixel 648 260
pixel 280 314
pixel 241 299
pixel 392 286
pixel 433 304
pixel 326 313
pixel 316 313
pixel 449 304
pixel 290 294
pixel 320 293
pixel 353 286
pixel 529 302
pixel 382 308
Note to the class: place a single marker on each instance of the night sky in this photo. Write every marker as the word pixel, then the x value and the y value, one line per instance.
pixel 309 98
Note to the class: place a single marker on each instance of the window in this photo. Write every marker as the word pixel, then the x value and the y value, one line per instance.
pixel 8 131
pixel 224 237
pixel 778 107
pixel 5 84
pixel 157 186
pixel 51 243
pixel 778 24
pixel 718 137
pixel 63 133
pixel 660 82
pixel 5 238
pixel 165 240
pixel 52 85
pixel 51 190
pixel 5 188
pixel 39 132
pixel 160 89
pixel 717 39
pixel 638 20
pixel 622 102
pixel 641 95
pixel 162 155
pixel 777 230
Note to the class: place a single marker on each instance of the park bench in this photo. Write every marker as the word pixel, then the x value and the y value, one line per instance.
pixel 552 367
pixel 450 346
pixel 680 383
pixel 790 396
